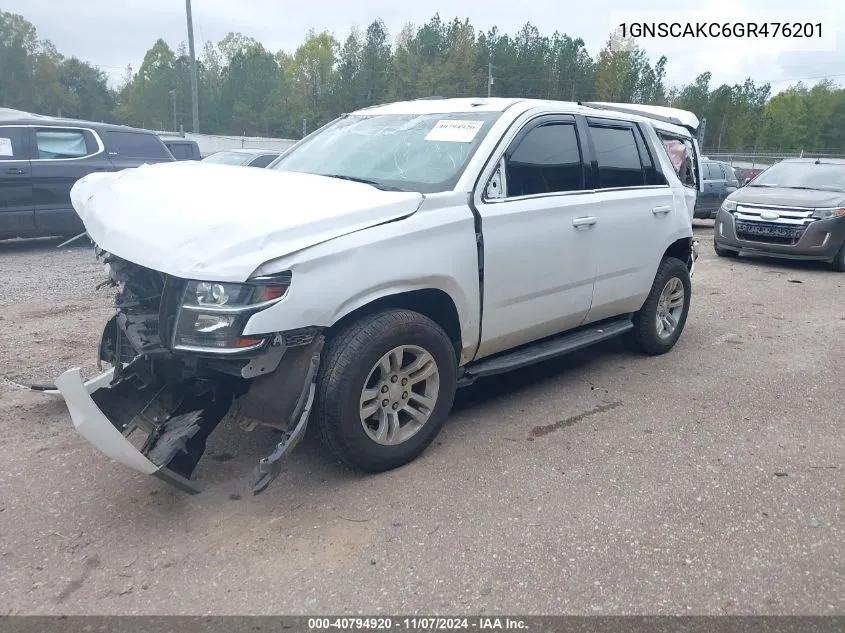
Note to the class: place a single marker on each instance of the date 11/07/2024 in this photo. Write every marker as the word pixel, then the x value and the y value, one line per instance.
pixel 418 624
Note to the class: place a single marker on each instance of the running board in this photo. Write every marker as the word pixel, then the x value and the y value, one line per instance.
pixel 545 350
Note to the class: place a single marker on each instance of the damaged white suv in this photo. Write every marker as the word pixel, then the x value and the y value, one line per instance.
pixel 390 257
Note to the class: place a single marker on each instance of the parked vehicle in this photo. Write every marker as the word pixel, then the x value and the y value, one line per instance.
pixel 244 157
pixel 42 157
pixel 795 209
pixel 719 182
pixel 390 257
pixel 182 148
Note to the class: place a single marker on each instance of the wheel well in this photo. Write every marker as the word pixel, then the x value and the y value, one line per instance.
pixel 681 249
pixel 435 304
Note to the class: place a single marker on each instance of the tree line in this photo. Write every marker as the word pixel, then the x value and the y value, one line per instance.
pixel 245 89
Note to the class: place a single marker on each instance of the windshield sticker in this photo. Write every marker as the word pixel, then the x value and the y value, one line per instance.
pixel 454 131
pixel 6 147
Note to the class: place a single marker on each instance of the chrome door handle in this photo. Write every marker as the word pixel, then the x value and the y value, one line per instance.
pixel 585 221
pixel 661 210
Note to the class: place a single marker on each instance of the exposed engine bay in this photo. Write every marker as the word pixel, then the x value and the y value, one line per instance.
pixel 167 399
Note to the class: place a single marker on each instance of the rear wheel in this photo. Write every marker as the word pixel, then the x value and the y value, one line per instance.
pixel 659 323
pixel 385 388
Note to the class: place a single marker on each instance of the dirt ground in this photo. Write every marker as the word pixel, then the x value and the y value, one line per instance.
pixel 706 481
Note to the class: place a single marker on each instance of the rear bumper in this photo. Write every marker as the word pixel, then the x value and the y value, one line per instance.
pixel 820 241
pixel 95 427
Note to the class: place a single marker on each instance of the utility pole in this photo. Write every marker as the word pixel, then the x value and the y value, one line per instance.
pixel 304 128
pixel 173 94
pixel 194 89
pixel 489 78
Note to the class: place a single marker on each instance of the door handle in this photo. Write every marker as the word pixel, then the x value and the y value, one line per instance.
pixel 14 170
pixel 585 221
pixel 661 210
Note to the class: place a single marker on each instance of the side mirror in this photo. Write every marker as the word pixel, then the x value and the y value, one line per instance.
pixel 746 181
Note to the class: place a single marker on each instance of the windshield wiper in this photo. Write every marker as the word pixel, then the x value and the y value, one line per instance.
pixel 373 183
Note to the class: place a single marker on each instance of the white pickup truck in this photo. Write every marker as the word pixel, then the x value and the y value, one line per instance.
pixel 392 256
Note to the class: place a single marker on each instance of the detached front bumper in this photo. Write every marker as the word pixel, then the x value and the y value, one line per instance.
pixel 160 427
pixel 95 427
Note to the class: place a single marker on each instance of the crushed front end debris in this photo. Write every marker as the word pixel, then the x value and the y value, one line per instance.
pixel 167 388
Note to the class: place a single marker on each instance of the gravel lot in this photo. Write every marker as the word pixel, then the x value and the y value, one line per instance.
pixel 707 481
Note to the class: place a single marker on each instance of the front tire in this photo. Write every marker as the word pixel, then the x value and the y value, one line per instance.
pixel 724 252
pixel 659 323
pixel 838 263
pixel 385 387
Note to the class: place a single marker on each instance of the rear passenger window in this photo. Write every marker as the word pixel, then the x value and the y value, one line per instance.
pixel 617 156
pixel 58 144
pixel 546 160
pixel 138 145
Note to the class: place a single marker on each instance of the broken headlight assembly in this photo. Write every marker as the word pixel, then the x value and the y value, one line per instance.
pixel 212 315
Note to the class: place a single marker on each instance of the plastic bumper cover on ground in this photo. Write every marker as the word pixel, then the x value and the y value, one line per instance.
pixel 95 427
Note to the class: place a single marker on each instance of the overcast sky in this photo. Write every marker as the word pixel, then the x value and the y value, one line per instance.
pixel 114 33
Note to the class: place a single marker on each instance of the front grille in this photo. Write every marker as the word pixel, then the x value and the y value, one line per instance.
pixel 787 227
pixel 769 232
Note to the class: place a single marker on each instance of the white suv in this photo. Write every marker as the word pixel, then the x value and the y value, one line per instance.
pixel 387 259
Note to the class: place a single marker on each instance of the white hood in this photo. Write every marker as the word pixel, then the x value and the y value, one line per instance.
pixel 220 222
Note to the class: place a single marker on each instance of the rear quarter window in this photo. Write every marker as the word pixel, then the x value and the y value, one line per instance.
pixel 181 151
pixel 137 145
pixel 263 160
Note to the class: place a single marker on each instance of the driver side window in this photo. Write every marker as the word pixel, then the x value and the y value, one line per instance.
pixel 545 160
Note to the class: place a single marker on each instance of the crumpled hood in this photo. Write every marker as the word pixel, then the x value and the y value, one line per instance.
pixel 220 222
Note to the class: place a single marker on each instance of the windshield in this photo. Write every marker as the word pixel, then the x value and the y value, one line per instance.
pixel 426 153
pixel 824 176
pixel 228 158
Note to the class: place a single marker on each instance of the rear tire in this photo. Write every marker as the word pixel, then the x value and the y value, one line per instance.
pixel 838 263
pixel 660 321
pixel 398 357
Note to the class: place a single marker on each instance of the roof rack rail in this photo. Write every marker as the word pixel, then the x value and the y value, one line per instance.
pixel 675 116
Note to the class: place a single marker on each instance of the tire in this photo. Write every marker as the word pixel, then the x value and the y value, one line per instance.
pixel 838 263
pixel 351 360
pixel 724 252
pixel 646 337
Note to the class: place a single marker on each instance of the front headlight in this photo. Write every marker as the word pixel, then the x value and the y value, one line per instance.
pixel 212 315
pixel 832 212
pixel 729 206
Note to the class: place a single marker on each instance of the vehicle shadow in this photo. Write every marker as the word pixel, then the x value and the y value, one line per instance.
pixel 781 265
pixel 472 404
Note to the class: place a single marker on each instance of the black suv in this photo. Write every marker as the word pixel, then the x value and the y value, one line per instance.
pixel 42 157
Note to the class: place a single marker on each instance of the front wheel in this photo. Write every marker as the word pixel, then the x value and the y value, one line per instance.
pixel 724 252
pixel 838 263
pixel 659 323
pixel 385 387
